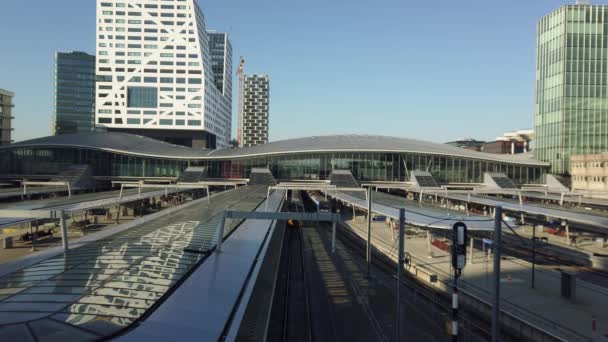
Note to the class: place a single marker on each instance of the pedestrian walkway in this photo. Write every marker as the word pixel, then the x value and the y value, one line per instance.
pixel 583 242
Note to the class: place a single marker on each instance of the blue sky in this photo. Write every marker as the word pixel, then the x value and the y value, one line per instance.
pixel 433 70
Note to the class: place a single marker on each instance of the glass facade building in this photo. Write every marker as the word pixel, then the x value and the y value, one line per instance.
pixel 294 166
pixel 571 114
pixel 220 49
pixel 299 159
pixel 74 92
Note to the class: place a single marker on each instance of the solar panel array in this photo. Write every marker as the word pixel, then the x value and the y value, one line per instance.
pixel 426 181
pixel 504 182
pixel 100 288
pixel 79 176
pixel 191 177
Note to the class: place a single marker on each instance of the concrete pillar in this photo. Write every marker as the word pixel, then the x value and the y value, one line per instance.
pixel 429 238
pixel 117 213
pixel 34 233
pixel 471 251
pixel 64 231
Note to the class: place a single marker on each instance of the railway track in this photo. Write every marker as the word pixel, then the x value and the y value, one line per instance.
pixel 435 305
pixel 290 316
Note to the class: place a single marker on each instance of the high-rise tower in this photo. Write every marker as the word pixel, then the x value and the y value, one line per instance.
pixel 255 110
pixel 571 114
pixel 6 117
pixel 155 73
pixel 74 92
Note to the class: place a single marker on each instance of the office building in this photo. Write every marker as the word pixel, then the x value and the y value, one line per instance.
pixel 74 105
pixel 255 110
pixel 589 172
pixel 155 75
pixel 220 49
pixel 6 116
pixel 510 143
pixel 571 114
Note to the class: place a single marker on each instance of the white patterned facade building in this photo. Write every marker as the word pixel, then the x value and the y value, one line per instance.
pixel 156 75
pixel 256 110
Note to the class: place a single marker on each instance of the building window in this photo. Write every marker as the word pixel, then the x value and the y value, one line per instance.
pixel 142 97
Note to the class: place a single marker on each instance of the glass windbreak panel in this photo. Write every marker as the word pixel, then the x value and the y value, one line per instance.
pixel 142 97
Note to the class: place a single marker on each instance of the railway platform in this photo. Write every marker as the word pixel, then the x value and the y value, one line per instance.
pixel 569 319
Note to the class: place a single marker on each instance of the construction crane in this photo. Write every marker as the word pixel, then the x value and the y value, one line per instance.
pixel 240 109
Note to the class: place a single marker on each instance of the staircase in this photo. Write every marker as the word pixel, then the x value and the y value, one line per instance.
pixel 343 179
pixel 262 176
pixel 78 176
pixel 192 175
pixel 558 183
pixel 498 181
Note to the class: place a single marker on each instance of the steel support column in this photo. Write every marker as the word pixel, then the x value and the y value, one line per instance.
pixel 400 269
pixel 64 231
pixel 497 246
pixel 369 229
pixel 333 237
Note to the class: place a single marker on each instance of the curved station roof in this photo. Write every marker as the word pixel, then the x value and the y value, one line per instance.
pixel 142 146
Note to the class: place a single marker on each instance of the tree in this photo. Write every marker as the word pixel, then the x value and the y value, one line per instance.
pixel 234 143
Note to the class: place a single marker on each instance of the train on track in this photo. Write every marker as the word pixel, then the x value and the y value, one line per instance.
pixel 320 202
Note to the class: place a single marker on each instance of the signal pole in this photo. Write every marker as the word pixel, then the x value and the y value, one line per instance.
pixel 459 260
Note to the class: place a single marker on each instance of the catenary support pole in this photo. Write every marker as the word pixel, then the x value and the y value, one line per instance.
pixel 333 237
pixel 369 230
pixel 400 269
pixel 455 307
pixel 497 246
pixel 533 255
